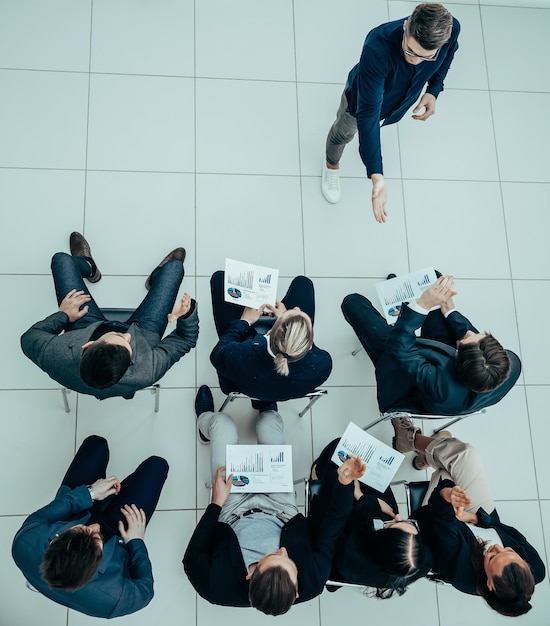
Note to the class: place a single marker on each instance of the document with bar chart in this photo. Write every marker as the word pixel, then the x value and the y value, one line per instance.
pixel 404 288
pixel 260 468
pixel 382 461
pixel 250 285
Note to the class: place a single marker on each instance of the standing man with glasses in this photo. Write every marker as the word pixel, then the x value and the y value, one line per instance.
pixel 398 59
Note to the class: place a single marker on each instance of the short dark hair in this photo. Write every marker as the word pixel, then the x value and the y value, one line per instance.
pixel 483 365
pixel 431 25
pixel 272 591
pixel 102 364
pixel 71 560
pixel 403 556
pixel 511 591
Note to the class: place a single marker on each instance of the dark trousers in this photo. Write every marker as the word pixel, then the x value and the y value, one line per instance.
pixel 301 293
pixel 372 329
pixel 152 314
pixel 142 487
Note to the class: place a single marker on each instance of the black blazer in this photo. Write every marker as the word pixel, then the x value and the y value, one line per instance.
pixel 419 375
pixel 214 564
pixel 450 541
pixel 244 364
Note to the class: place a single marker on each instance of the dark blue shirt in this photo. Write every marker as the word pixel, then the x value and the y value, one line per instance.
pixel 383 85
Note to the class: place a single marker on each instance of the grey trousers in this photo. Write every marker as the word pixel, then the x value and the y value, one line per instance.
pixel 221 429
pixel 341 132
pixel 459 461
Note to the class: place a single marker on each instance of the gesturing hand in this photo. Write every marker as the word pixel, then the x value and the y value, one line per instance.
pixel 439 293
pixel 105 487
pixel 135 523
pixel 458 498
pixel 72 302
pixel 252 315
pixel 351 469
pixel 427 102
pixel 181 308
pixel 379 198
pixel 221 487
pixel 277 310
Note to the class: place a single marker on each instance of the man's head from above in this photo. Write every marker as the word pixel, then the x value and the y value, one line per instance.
pixel 72 559
pixel 482 363
pixel 290 338
pixel 427 29
pixel 274 583
pixel 105 361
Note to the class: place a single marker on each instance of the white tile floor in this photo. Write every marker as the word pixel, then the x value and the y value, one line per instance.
pixel 208 119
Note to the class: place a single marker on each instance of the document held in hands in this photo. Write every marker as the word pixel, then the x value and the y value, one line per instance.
pixel 259 468
pixel 404 288
pixel 382 461
pixel 249 285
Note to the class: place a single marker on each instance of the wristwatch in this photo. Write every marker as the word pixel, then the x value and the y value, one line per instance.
pixel 91 491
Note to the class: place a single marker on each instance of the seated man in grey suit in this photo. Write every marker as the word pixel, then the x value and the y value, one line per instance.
pixel 107 358
pixel 451 369
pixel 85 549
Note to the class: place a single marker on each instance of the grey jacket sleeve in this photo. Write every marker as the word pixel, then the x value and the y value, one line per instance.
pixel 35 341
pixel 177 343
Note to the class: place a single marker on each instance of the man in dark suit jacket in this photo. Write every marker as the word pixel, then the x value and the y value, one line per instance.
pixel 256 549
pixel 83 351
pixel 85 549
pixel 427 374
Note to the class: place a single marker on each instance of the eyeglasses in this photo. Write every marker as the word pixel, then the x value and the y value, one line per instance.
pixel 406 521
pixel 413 54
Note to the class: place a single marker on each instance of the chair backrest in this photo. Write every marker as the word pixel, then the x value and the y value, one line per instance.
pixel 415 492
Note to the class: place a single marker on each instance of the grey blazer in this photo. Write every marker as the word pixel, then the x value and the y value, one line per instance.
pixel 59 354
pixel 123 583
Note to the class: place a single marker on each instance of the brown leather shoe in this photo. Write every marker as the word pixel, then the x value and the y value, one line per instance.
pixel 80 247
pixel 420 462
pixel 176 255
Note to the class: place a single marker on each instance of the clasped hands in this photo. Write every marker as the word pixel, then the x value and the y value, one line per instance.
pixel 459 499
pixel 439 294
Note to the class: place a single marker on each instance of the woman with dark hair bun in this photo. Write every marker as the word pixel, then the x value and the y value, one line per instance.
pixel 377 549
pixel 472 549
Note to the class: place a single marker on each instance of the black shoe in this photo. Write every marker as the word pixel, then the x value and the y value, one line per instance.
pixel 176 255
pixel 80 247
pixel 264 405
pixel 390 276
pixel 203 402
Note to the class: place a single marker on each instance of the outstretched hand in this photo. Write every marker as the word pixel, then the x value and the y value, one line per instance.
pixel 351 469
pixel 135 523
pixel 181 308
pixel 71 303
pixel 379 198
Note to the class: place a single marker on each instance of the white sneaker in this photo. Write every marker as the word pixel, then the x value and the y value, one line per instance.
pixel 330 184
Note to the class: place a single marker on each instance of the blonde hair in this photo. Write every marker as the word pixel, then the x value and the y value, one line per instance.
pixel 290 340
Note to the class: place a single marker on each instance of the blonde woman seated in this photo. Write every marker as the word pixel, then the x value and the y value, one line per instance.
pixel 282 364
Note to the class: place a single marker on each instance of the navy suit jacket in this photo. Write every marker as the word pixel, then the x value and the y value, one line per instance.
pixel 420 375
pixel 123 583
pixel 450 541
pixel 244 364
pixel 383 86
